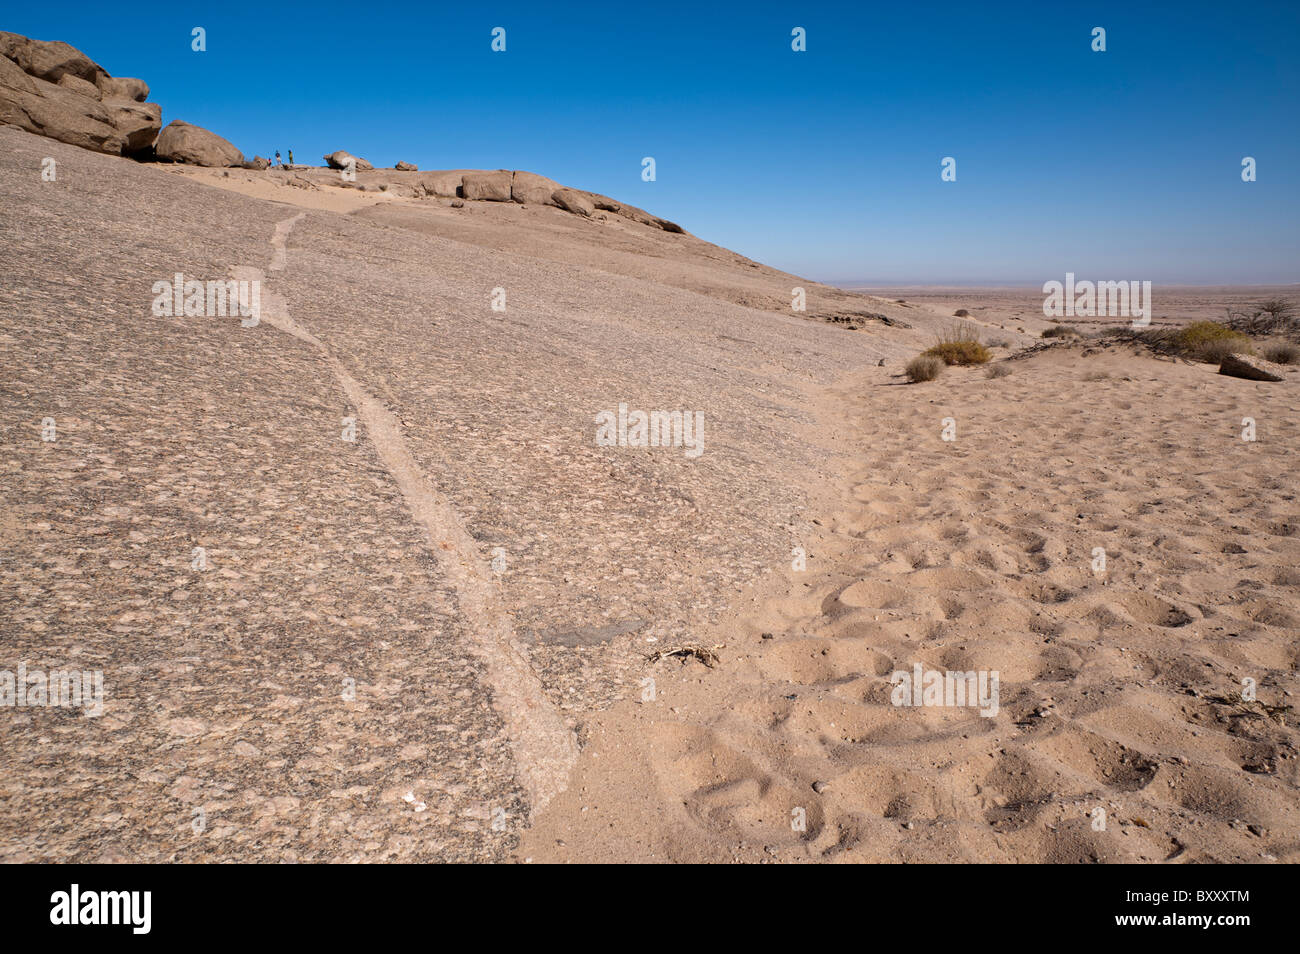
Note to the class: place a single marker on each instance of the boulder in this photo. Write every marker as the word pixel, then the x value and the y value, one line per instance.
pixel 441 183
pixel 182 142
pixel 69 109
pixel 530 187
pixel 56 112
pixel 123 87
pixel 79 85
pixel 570 200
pixel 638 215
pixel 139 123
pixel 604 202
pixel 406 167
pixel 1237 367
pixel 49 61
pixel 259 162
pixel 487 186
pixel 339 160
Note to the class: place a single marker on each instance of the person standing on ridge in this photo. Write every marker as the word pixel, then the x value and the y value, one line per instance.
pixel 277 157
pixel 291 157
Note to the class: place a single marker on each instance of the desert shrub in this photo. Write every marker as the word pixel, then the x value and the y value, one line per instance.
pixel 959 345
pixel 998 343
pixel 1282 352
pixel 1214 351
pixel 961 313
pixel 924 367
pixel 999 370
pixel 1278 309
pixel 1210 341
pixel 1274 316
pixel 1060 331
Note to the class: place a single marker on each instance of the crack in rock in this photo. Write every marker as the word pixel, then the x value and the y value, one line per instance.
pixel 544 747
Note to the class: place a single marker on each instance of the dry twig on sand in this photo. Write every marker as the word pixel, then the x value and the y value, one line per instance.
pixel 704 655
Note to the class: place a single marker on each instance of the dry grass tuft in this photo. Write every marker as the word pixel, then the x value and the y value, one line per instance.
pixel 924 367
pixel 959 345
pixel 1282 352
pixel 1060 331
pixel 999 370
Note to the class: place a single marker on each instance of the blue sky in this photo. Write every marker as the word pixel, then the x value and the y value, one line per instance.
pixel 1117 165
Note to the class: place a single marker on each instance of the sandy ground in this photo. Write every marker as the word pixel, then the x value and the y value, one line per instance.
pixel 492 583
pixel 1118 688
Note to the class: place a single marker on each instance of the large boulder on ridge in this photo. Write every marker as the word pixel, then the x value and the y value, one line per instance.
pixel 139 123
pixel 442 183
pixel 571 200
pixel 530 187
pixel 182 142
pixel 55 90
pixel 339 160
pixel 49 60
pixel 57 112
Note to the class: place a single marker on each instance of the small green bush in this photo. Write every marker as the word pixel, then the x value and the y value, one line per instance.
pixel 1211 341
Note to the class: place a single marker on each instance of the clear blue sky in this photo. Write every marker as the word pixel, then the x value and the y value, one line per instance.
pixel 1116 165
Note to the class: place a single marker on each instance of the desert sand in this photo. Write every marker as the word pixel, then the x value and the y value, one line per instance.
pixel 438 640
pixel 1119 688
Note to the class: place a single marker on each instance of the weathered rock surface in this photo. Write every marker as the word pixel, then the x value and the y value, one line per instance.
pixel 139 123
pixel 123 87
pixel 1237 367
pixel 80 86
pixel 406 167
pixel 532 188
pixel 12 77
pixel 604 202
pixel 571 200
pixel 487 186
pixel 442 183
pixel 183 142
